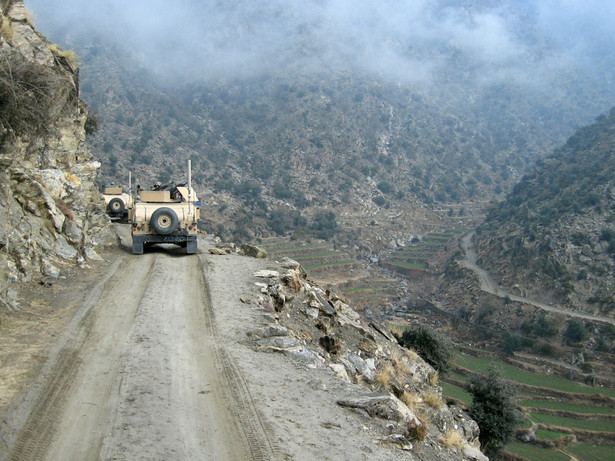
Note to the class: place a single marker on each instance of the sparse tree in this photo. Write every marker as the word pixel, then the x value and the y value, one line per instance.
pixel 575 331
pixel 493 408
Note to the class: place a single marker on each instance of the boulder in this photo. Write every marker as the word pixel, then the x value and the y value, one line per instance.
pixel 253 251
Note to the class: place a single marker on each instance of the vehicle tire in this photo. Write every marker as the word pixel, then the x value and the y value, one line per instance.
pixel 164 221
pixel 116 205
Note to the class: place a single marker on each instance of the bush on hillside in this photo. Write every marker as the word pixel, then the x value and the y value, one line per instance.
pixel 494 410
pixel 434 348
pixel 324 224
pixel 27 92
pixel 575 332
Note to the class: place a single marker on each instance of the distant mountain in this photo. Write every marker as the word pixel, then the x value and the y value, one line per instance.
pixel 366 117
pixel 554 236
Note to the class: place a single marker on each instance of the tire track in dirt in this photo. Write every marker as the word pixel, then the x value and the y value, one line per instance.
pixel 245 414
pixel 141 372
pixel 36 434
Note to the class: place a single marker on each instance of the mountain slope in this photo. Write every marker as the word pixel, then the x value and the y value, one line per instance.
pixel 449 118
pixel 555 233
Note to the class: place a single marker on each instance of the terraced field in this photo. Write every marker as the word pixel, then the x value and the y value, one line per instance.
pixel 336 268
pixel 316 257
pixel 370 293
pixel 414 259
pixel 567 419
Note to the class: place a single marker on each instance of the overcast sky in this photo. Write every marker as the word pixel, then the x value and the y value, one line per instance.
pixel 402 40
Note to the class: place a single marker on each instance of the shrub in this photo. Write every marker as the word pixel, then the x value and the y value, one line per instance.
pixel 324 224
pixel 494 410
pixel 544 327
pixel 27 93
pixel 430 345
pixel 92 123
pixel 379 200
pixel 575 331
pixel 385 187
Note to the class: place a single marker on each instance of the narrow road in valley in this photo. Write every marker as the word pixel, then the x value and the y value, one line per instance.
pixel 489 285
pixel 139 374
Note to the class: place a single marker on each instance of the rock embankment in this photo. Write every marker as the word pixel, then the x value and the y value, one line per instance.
pixel 48 195
pixel 392 387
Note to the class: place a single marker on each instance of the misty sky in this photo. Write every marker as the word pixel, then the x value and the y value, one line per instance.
pixel 402 40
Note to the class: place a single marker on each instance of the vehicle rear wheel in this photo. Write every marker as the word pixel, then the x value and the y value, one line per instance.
pixel 164 221
pixel 116 205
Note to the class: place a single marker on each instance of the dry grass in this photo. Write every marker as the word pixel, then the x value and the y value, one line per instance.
pixel 28 93
pixel 7 28
pixel 411 354
pixel 434 378
pixel 383 376
pixel 69 55
pixel 396 329
pixel 433 400
pixel 452 439
pixel 411 399
pixel 418 431
pixel 402 369
pixel 29 17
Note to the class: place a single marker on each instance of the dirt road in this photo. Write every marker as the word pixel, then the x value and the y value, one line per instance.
pixel 139 374
pixel 149 357
pixel 490 286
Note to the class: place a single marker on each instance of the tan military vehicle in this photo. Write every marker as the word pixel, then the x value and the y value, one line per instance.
pixel 167 215
pixel 117 202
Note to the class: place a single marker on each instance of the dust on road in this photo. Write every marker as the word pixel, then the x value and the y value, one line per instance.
pixel 138 374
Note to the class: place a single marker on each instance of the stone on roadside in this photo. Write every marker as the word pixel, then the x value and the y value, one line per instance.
pixel 253 251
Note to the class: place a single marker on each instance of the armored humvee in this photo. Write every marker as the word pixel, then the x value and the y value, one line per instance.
pixel 117 202
pixel 167 215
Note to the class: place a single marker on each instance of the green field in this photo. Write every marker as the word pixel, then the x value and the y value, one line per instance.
pixel 566 421
pixel 312 256
pixel 482 365
pixel 320 255
pixel 410 265
pixel 536 453
pixel 544 434
pixel 532 451
pixel 455 392
pixel 309 267
pixel 590 452
pixel 416 256
pixel 564 406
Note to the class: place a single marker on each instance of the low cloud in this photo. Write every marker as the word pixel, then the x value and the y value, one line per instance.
pixel 400 40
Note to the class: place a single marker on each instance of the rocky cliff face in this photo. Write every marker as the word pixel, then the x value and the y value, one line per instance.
pixel 48 194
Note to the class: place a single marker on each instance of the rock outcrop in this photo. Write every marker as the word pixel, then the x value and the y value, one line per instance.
pixel 390 385
pixel 48 196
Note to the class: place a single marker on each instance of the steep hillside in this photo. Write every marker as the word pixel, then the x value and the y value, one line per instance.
pixel 323 127
pixel 48 196
pixel 554 236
